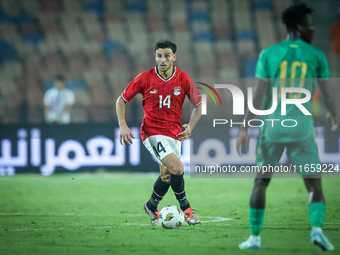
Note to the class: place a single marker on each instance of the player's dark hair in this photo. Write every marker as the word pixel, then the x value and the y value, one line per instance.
pixel 60 77
pixel 295 15
pixel 163 44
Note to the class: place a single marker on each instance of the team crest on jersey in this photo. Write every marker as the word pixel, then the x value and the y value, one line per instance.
pixel 177 91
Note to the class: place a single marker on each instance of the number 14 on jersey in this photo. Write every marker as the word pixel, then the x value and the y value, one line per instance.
pixel 165 102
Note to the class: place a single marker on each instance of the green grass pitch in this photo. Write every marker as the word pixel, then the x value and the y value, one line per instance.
pixel 102 214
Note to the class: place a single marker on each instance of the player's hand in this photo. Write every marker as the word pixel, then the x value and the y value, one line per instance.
pixel 335 121
pixel 186 133
pixel 125 135
pixel 242 138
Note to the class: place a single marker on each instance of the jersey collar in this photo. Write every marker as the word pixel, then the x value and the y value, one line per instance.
pixel 173 74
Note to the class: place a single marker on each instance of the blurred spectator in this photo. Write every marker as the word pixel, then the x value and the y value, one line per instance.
pixel 335 35
pixel 58 101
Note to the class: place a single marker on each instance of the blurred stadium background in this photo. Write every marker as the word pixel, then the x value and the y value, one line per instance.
pixel 100 45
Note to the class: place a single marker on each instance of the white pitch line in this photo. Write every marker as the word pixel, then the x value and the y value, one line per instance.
pixel 94 214
pixel 217 219
pixel 71 214
pixel 214 219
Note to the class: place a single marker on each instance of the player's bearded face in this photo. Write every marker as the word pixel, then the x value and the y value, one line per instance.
pixel 165 59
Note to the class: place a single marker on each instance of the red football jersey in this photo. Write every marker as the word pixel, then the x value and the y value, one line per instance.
pixel 162 100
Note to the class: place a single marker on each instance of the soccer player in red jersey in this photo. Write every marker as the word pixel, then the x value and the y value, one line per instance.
pixel 164 88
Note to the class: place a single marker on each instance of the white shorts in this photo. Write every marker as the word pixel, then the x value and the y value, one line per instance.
pixel 160 146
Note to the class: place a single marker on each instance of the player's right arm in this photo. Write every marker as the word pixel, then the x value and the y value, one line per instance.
pixel 329 101
pixel 125 134
pixel 259 91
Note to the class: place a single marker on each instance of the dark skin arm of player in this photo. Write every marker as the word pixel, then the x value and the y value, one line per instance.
pixel 192 123
pixel 259 92
pixel 329 101
pixel 125 134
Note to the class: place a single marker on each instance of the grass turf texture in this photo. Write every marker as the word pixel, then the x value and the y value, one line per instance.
pixel 102 214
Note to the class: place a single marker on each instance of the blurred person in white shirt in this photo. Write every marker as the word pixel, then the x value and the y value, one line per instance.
pixel 58 102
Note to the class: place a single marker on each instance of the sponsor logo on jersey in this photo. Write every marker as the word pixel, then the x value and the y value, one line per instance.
pixel 177 91
pixel 153 91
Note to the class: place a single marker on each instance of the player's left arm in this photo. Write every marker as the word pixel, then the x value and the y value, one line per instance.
pixel 259 92
pixel 324 84
pixel 193 93
pixel 195 117
pixel 330 104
